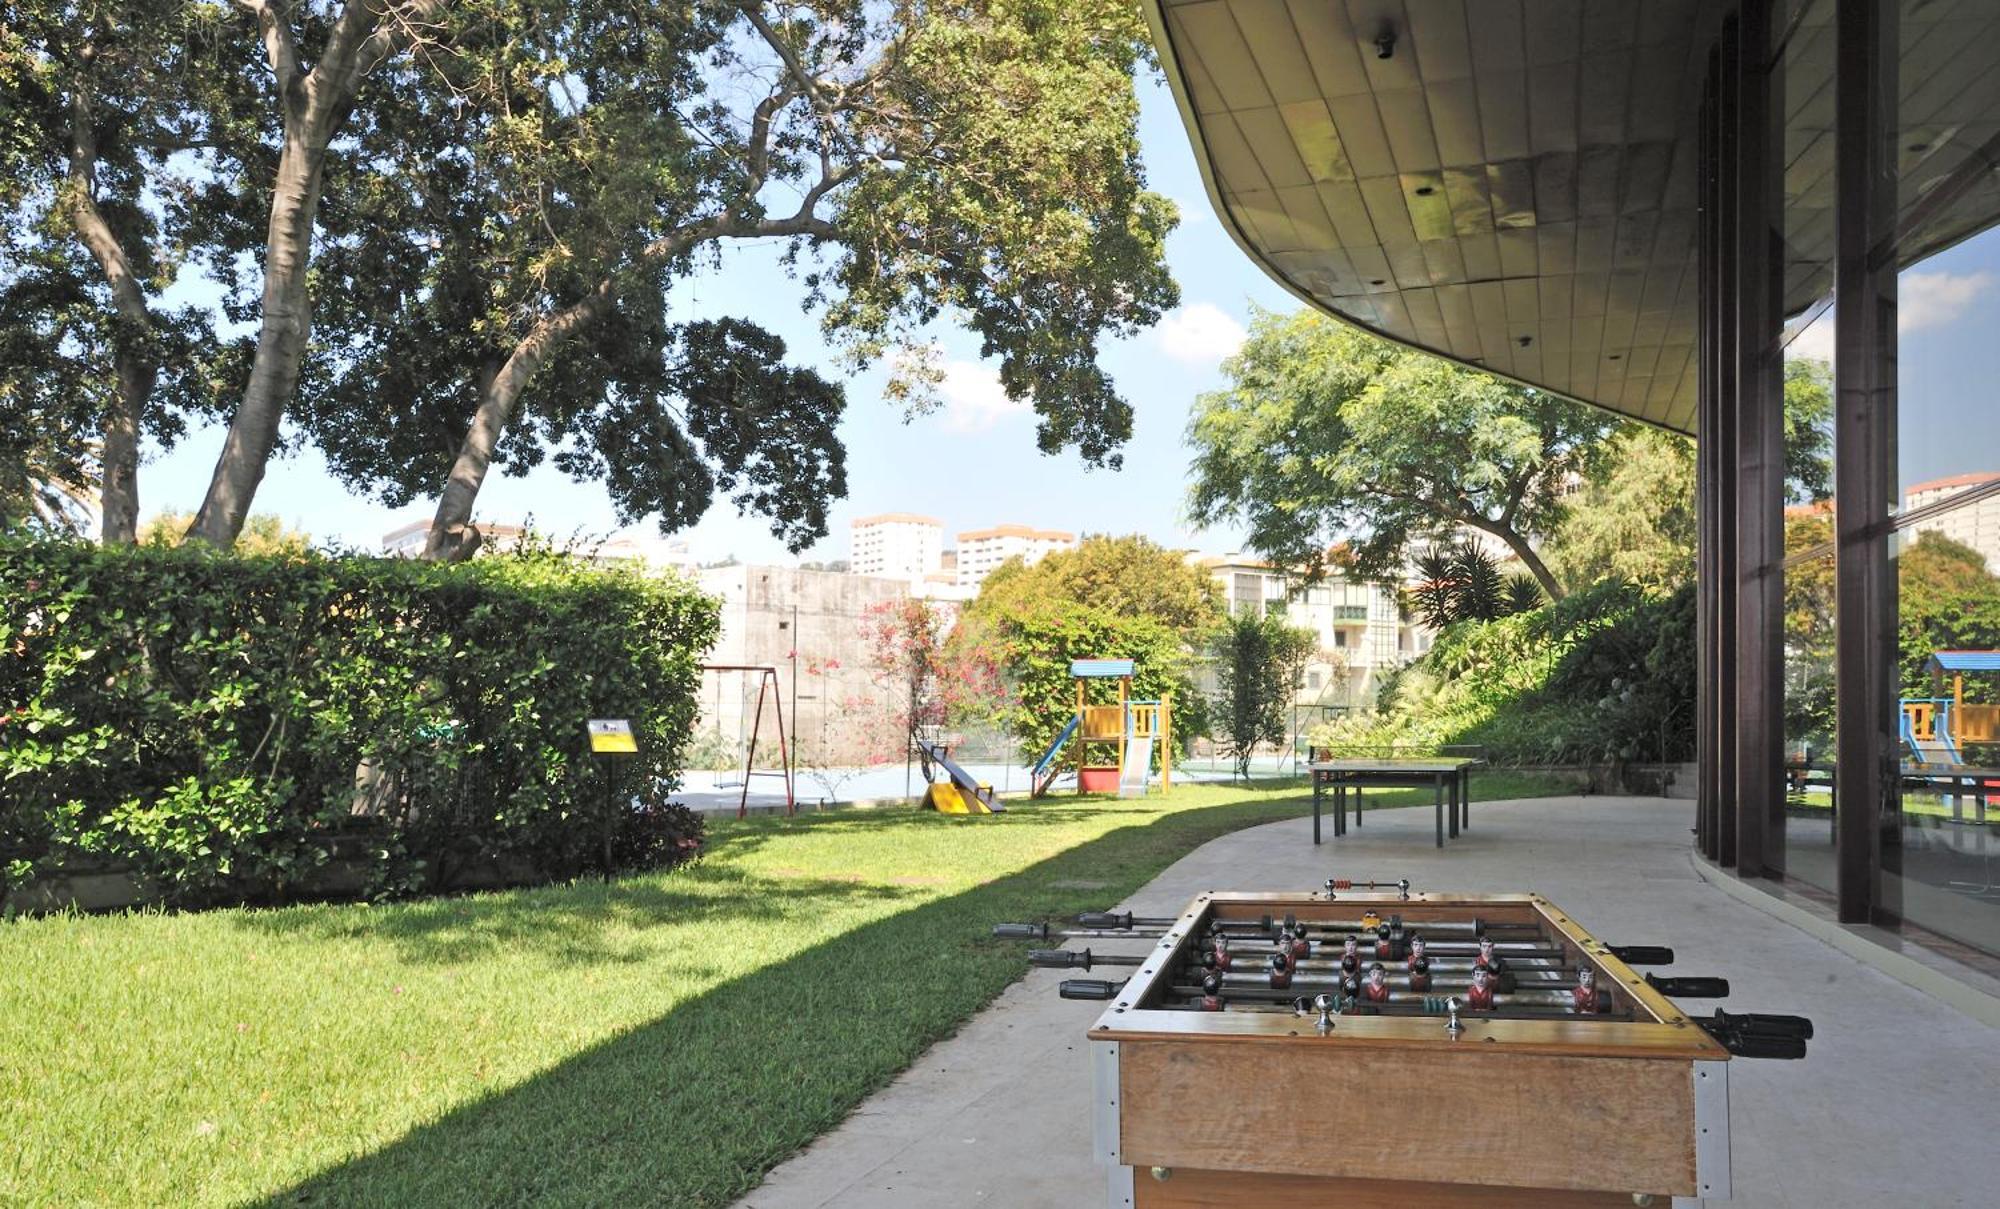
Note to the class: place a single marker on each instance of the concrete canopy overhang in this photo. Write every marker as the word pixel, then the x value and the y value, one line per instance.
pixel 1512 186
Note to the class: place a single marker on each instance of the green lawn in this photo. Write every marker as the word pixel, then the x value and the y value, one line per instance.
pixel 664 1039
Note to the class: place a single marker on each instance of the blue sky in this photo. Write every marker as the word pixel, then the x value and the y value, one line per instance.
pixel 974 462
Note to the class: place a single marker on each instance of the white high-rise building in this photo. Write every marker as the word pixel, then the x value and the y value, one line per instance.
pixel 896 545
pixel 981 551
pixel 1976 524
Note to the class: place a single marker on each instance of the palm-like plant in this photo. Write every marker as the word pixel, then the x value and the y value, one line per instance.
pixel 1461 581
pixel 46 487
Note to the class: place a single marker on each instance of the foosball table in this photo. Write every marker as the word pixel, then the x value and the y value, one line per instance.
pixel 1388 1048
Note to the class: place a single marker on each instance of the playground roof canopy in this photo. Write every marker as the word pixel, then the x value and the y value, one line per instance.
pixel 1093 669
pixel 1965 661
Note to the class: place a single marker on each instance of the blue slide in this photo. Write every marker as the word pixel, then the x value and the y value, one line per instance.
pixel 1044 772
pixel 967 784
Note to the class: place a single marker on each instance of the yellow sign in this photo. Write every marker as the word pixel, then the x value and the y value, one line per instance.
pixel 612 737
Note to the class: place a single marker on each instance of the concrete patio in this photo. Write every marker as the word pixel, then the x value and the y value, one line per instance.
pixel 998 1114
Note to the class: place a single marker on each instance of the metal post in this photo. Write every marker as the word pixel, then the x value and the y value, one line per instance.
pixel 1722 437
pixel 1708 784
pixel 1864 453
pixel 1758 456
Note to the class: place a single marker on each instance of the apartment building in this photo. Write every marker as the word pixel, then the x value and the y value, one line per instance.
pixel 981 551
pixel 896 545
pixel 1975 524
pixel 1362 629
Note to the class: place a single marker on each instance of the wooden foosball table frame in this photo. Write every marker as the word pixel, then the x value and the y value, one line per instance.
pixel 1200 1110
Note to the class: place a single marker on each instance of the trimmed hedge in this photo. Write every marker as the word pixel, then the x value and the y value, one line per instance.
pixel 200 718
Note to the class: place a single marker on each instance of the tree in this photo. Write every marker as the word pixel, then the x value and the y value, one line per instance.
pixel 928 682
pixel 95 186
pixel 262 533
pixel 1634 518
pixel 564 167
pixel 317 58
pixel 1327 432
pixel 1258 661
pixel 1130 576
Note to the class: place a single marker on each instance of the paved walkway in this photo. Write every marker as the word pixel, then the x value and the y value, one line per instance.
pixel 1898 1104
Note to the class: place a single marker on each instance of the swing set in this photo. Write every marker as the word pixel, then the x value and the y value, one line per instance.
pixel 767 689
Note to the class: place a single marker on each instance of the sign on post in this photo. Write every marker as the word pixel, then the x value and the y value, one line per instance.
pixel 612 737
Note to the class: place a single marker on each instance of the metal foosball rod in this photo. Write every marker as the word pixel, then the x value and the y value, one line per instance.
pixel 1252 989
pixel 1190 998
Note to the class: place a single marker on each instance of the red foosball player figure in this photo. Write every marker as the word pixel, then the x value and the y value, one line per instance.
pixel 1281 971
pixel 1350 957
pixel 1480 994
pixel 1585 998
pixel 1301 947
pixel 1376 989
pixel 1420 966
pixel 1494 964
pixel 1211 993
pixel 1221 952
pixel 1385 949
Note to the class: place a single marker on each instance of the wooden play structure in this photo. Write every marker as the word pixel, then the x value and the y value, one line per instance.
pixel 1114 741
pixel 1937 728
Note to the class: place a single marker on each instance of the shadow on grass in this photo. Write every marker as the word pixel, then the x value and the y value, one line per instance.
pixel 567 924
pixel 692 1108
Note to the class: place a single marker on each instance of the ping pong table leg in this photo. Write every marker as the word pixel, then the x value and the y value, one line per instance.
pixel 1437 784
pixel 1316 796
pixel 1448 795
pixel 1357 803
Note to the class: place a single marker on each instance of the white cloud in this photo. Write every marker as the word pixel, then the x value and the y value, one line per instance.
pixel 1193 213
pixel 1935 299
pixel 1200 334
pixel 974 400
pixel 1923 300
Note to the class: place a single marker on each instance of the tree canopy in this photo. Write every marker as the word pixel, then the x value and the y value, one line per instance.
pixel 1327 433
pixel 1258 662
pixel 1127 576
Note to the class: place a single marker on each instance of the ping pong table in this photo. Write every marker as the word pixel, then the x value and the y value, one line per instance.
pixel 1450 777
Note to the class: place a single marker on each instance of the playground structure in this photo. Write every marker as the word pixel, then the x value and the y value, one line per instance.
pixel 767 689
pixel 1114 742
pixel 960 792
pixel 1936 728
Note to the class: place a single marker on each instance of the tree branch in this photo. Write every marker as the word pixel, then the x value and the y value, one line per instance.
pixel 279 47
pixel 808 83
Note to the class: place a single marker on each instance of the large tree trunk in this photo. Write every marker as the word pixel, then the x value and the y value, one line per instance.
pixel 281 344
pixel 118 490
pixel 452 538
pixel 1526 553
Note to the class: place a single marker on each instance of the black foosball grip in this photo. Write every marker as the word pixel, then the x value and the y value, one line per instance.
pixel 1058 959
pixel 1104 919
pixel 1758 1045
pixel 1643 955
pixel 1765 1024
pixel 1021 931
pixel 1689 988
pixel 1088 988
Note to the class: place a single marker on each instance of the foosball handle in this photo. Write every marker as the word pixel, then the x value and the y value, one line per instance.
pixel 1105 920
pixel 1088 988
pixel 1643 955
pixel 1059 959
pixel 1021 931
pixel 1759 1045
pixel 1765 1024
pixel 1689 988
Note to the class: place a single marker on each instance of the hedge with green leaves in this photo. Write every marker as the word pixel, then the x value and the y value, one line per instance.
pixel 1606 675
pixel 224 725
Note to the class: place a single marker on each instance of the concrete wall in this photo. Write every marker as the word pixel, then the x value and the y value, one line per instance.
pixel 812 626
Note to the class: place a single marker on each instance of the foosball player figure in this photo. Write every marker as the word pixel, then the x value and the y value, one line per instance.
pixel 1369 919
pixel 1211 993
pixel 1494 964
pixel 1301 947
pixel 1221 951
pixel 1376 989
pixel 1585 997
pixel 1480 994
pixel 1281 971
pixel 1385 949
pixel 1350 991
pixel 1350 957
pixel 1420 966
